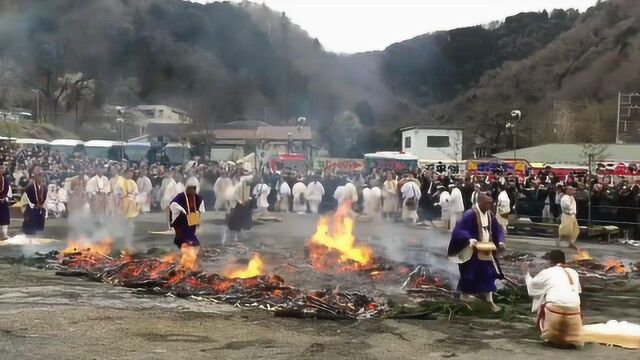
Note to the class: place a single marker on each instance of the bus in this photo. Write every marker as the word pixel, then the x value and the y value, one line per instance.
pixel 137 151
pixel 67 146
pixel 390 160
pixel 32 143
pixel 103 149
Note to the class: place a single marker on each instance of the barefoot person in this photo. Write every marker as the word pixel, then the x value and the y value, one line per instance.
pixel 34 197
pixel 556 299
pixel 568 229
pixel 184 216
pixel 98 190
pixel 474 244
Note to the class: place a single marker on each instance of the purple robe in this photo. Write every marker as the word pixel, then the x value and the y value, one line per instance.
pixel 34 217
pixel 185 234
pixel 5 214
pixel 476 276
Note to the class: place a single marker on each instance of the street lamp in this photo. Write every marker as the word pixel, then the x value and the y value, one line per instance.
pixel 121 121
pixel 513 124
pixel 515 116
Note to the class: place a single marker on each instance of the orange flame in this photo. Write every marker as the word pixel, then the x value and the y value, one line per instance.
pixel 337 238
pixel 87 247
pixel 613 265
pixel 189 257
pixel 582 255
pixel 254 268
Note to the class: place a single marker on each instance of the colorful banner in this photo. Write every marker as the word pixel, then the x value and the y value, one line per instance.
pixel 338 164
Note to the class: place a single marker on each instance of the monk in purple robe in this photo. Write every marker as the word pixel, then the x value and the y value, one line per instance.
pixel 474 244
pixel 5 198
pixel 35 195
pixel 184 216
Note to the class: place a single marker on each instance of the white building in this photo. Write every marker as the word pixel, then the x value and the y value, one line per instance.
pixel 147 116
pixel 432 144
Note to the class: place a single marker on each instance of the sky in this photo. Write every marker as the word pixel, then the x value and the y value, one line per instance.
pixel 350 26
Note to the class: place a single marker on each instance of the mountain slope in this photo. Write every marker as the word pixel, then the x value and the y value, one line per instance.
pixel 224 62
pixel 567 90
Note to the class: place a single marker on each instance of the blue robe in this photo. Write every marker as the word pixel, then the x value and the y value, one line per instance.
pixel 34 217
pixel 476 276
pixel 5 215
pixel 185 234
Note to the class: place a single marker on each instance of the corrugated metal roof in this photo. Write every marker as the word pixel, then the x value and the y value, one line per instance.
pixel 574 153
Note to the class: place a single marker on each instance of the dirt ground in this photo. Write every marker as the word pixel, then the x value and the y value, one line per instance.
pixel 43 316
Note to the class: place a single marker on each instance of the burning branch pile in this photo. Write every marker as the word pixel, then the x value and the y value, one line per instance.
pixel 177 276
pixel 333 248
pixel 585 265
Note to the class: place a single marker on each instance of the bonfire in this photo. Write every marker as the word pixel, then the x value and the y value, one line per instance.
pixel 333 246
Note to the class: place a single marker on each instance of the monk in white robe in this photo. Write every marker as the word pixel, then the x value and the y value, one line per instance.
pixel 350 193
pixel 299 201
pixel 98 190
pixel 556 298
pixel 443 202
pixel 54 204
pixel 144 192
pixel 456 207
pixel 569 229
pixel 314 194
pixel 260 193
pixel 390 196
pixel 284 193
pixel 221 189
pixel 411 195
pixel 503 208
pixel 372 202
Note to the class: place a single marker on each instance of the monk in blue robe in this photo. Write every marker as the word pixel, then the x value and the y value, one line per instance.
pixel 474 244
pixel 5 199
pixel 184 217
pixel 35 195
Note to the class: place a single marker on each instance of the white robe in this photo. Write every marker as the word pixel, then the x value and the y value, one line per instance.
pixel 444 206
pixel 98 189
pixel 371 199
pixel 503 207
pixel 54 205
pixel 338 194
pixel 170 188
pixel 283 197
pixel 551 285
pixel 298 192
pixel 350 193
pixel 144 193
pixel 314 194
pixel 260 192
pixel 456 207
pixel 390 196
pixel 410 190
pixel 222 188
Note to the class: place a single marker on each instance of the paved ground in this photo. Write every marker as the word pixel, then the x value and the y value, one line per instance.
pixel 47 317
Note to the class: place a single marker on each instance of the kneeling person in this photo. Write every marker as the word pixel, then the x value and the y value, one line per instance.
pixel 186 209
pixel 556 298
